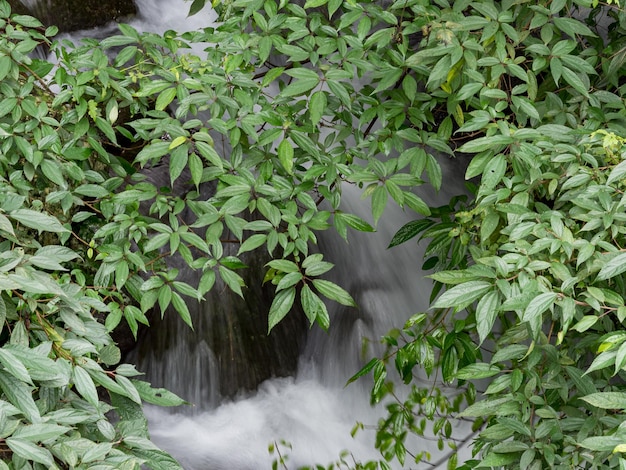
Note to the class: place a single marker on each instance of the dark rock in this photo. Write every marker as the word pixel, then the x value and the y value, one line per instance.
pixel 72 15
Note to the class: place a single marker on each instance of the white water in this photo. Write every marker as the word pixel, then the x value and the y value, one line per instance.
pixel 313 411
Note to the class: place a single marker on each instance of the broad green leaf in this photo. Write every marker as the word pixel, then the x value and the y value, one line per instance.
pixel 575 81
pixel 487 407
pixel 14 366
pixel 379 202
pixel 486 313
pixel 409 231
pixel 252 242
pixel 281 305
pixel 602 443
pixel 196 6
pixel 37 220
pixel 165 98
pixel 285 155
pixel 85 385
pixel 284 265
pixel 333 292
pixel 315 3
pixel 20 395
pixel 299 87
pixel 607 400
pixel 365 370
pixel 533 313
pixel 481 144
pixel 354 221
pixel 40 432
pixel 460 296
pixel 614 267
pixel 311 304
pixel 30 451
pixel 617 173
pixel 233 280
pixel 157 396
pixel 477 371
pixel 317 106
pixel 52 171
pixel 181 307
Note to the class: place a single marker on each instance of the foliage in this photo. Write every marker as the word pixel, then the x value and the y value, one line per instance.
pixel 285 106
pixel 533 311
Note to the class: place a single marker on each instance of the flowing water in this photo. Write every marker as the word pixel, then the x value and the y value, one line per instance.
pixel 311 409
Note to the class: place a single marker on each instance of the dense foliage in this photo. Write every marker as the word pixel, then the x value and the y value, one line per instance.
pixel 271 113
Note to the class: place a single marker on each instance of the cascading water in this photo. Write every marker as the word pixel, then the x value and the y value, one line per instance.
pixel 311 409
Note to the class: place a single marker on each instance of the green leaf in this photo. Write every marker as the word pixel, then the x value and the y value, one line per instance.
pixel 488 407
pixel 481 144
pixel 232 280
pixel 365 370
pixel 477 371
pixel 281 305
pixel 333 292
pixel 486 313
pixel 299 87
pixel 607 400
pixel 52 171
pixel 38 220
pixel 14 366
pixel 379 202
pixel 285 155
pixel 85 385
pixel 283 265
pixel 354 221
pixel 252 242
pixel 409 231
pixel 315 3
pixel 312 305
pixel 31 452
pixel 602 443
pixel 317 106
pixel 165 98
pixel 533 313
pixel 20 396
pixel 615 267
pixel 574 80
pixel 40 432
pixel 462 295
pixel 157 396
pixel 196 6
pixel 181 308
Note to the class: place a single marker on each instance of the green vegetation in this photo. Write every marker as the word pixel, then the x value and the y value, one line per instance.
pixel 290 104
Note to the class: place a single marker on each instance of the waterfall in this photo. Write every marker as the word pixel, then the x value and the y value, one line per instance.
pixel 309 407
pixel 312 410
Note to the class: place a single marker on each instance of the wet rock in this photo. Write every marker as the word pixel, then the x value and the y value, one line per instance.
pixel 72 15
